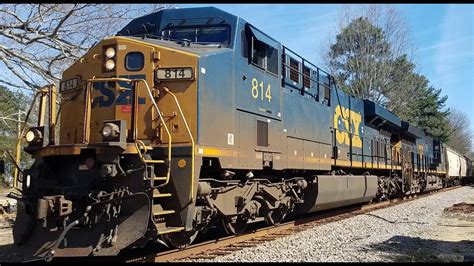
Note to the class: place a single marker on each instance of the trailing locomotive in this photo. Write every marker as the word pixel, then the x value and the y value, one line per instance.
pixel 190 118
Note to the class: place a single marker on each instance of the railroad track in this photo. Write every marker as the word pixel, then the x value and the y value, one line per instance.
pixel 226 245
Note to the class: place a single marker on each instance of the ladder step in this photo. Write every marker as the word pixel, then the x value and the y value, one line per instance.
pixel 154 161
pixel 157 194
pixel 157 178
pixel 168 230
pixel 163 212
pixel 145 147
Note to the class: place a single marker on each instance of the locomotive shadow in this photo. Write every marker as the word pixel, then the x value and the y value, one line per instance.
pixel 9 254
pixel 415 249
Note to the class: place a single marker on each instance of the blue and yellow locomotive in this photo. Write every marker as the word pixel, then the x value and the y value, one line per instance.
pixel 189 118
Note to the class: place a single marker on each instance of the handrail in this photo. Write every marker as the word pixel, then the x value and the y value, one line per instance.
pixel 109 79
pixel 164 125
pixel 306 76
pixel 297 55
pixel 42 92
pixel 190 136
pixel 87 112
pixel 310 66
pixel 88 107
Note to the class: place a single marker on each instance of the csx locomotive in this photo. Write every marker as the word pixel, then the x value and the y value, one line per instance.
pixel 193 118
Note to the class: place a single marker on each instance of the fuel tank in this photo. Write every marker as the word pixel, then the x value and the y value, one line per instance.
pixel 332 191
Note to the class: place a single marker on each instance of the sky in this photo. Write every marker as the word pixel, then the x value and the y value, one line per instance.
pixel 442 34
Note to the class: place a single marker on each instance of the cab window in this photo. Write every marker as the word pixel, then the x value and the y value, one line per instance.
pixel 134 61
pixel 264 56
pixel 199 34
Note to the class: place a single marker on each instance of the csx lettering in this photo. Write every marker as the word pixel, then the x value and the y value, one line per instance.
pixel 342 134
pixel 109 97
pixel 106 99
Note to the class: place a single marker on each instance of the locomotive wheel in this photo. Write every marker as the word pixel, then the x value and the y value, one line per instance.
pixel 237 227
pixel 276 216
pixel 180 239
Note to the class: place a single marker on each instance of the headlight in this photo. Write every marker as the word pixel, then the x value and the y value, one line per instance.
pixel 30 136
pixel 110 130
pixel 114 131
pixel 110 64
pixel 107 131
pixel 90 162
pixel 110 52
pixel 33 136
pixel 28 181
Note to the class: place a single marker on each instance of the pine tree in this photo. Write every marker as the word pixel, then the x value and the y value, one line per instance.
pixel 364 66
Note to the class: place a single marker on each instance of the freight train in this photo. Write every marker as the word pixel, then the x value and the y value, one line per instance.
pixel 193 118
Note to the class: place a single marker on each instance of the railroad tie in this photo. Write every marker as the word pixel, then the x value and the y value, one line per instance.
pixel 219 253
pixel 243 245
pixel 231 248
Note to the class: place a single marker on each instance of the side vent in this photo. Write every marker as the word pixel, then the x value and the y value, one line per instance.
pixel 262 133
pixel 294 70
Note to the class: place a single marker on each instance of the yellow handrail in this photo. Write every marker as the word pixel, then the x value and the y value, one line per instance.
pixel 190 136
pixel 44 91
pixel 154 104
pixel 164 125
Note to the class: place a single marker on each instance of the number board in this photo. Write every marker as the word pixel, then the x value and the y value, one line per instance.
pixel 175 73
pixel 69 85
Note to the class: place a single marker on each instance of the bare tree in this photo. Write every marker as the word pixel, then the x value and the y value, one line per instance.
pixel 38 41
pixel 460 137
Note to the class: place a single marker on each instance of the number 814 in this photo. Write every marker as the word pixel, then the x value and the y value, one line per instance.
pixel 257 90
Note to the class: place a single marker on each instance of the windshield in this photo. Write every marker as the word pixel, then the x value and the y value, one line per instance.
pixel 200 34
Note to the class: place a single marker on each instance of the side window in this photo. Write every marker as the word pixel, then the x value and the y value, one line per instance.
pixel 258 53
pixel 264 56
pixel 134 61
pixel 272 60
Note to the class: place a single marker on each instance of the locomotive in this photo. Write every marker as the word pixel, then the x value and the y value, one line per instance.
pixel 193 118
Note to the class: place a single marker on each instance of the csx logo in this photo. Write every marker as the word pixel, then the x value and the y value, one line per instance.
pixel 108 96
pixel 341 117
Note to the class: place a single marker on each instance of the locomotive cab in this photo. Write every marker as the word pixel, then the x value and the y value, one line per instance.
pixel 119 168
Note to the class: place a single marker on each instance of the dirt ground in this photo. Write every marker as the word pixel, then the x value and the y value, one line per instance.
pixel 6 236
pixel 452 240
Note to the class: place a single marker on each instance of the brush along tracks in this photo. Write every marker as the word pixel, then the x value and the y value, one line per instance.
pixel 226 245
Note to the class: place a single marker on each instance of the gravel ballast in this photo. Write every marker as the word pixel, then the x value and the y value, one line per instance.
pixel 418 230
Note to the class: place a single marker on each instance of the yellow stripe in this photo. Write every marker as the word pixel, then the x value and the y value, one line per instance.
pixel 309 159
pixel 208 151
pixel 325 161
pixel 343 163
pixel 150 45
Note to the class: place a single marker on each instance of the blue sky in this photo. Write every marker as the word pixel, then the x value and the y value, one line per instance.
pixel 442 34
